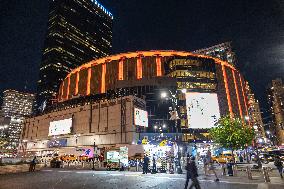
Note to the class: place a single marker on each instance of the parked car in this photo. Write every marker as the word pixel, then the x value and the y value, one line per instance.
pixel 55 162
pixel 70 157
pixel 83 158
pixel 222 158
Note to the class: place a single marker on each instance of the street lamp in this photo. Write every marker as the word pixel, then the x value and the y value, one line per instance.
pixel 174 116
pixel 155 127
pixel 163 94
pixel 164 126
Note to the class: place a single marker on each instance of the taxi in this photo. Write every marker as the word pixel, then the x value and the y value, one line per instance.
pixel 222 158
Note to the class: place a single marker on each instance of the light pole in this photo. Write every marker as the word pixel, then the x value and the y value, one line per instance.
pixel 174 116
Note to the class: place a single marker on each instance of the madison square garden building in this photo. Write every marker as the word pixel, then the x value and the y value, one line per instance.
pixel 130 86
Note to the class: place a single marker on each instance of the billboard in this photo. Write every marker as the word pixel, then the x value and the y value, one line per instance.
pixel 60 127
pixel 140 117
pixel 202 110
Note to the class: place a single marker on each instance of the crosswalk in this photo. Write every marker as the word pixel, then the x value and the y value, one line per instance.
pixel 150 176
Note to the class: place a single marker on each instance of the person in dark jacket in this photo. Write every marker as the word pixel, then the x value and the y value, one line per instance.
pixel 230 165
pixel 32 165
pixel 192 174
pixel 279 165
pixel 154 169
pixel 145 164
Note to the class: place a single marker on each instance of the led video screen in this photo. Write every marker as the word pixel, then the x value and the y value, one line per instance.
pixel 60 127
pixel 140 117
pixel 202 110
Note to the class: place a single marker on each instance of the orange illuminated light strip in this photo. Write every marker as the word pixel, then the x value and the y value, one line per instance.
pixel 120 69
pixel 147 53
pixel 227 91
pixel 103 84
pixel 244 97
pixel 89 81
pixel 238 97
pixel 77 83
pixel 68 85
pixel 139 67
pixel 62 91
pixel 158 66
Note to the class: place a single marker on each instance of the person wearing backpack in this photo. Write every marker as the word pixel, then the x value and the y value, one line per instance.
pixel 279 165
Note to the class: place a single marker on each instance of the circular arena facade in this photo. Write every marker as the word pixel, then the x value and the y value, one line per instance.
pixel 193 72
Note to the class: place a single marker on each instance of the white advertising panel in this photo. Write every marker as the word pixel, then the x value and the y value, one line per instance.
pixel 202 110
pixel 140 117
pixel 60 127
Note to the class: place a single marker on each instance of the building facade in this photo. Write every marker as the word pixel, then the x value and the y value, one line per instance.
pixel 203 76
pixel 255 116
pixel 105 122
pixel 78 31
pixel 201 88
pixel 222 51
pixel 16 106
pixel 276 102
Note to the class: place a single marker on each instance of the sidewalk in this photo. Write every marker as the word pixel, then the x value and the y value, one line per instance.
pixel 18 168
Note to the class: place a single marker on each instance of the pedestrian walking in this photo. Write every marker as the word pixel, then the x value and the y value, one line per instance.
pixel 154 168
pixel 192 174
pixel 145 164
pixel 230 165
pixel 205 165
pixel 32 165
pixel 278 163
pixel 210 165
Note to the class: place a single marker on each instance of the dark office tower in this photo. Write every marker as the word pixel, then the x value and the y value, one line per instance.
pixel 78 31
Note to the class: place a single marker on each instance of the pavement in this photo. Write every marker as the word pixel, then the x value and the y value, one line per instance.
pixel 47 178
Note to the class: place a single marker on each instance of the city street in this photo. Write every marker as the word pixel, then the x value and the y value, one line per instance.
pixel 63 178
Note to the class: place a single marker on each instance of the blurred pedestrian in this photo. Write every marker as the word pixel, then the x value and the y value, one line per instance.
pixel 145 164
pixel 230 165
pixel 32 165
pixel 210 165
pixel 154 168
pixel 278 163
pixel 192 174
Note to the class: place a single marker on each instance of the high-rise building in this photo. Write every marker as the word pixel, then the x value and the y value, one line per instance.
pixel 78 31
pixel 255 116
pixel 222 51
pixel 16 106
pixel 276 102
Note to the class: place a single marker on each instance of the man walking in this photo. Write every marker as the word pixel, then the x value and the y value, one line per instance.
pixel 210 165
pixel 192 174
pixel 145 164
pixel 279 165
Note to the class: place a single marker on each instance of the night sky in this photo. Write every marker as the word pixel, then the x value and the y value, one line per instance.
pixel 255 27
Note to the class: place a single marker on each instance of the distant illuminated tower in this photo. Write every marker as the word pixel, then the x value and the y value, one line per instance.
pixel 276 102
pixel 255 113
pixel 78 31
pixel 223 51
pixel 16 105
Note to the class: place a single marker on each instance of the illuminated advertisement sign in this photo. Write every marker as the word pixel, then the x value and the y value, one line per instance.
pixel 60 127
pixel 140 117
pixel 202 110
pixel 86 151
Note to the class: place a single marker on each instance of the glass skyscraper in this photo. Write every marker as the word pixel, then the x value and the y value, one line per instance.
pixel 16 106
pixel 78 31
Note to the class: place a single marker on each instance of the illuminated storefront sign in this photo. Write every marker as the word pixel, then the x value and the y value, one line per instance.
pixel 202 109
pixel 60 127
pixel 140 117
